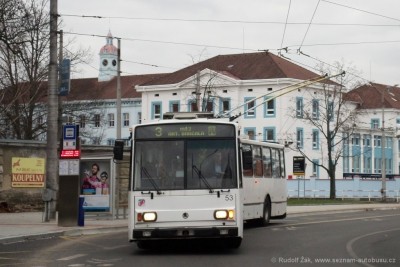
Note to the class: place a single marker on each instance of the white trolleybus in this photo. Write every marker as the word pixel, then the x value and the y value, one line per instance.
pixel 197 179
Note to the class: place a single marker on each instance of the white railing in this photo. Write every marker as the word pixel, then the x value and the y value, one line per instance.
pixel 345 194
pixel 346 188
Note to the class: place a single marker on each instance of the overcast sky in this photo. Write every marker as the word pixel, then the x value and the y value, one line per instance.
pixel 167 35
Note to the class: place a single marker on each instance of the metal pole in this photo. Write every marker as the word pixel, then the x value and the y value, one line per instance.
pixel 60 59
pixel 117 170
pixel 52 116
pixel 383 191
pixel 119 91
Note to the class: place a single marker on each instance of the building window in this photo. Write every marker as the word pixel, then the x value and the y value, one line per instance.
pixel 269 108
pixel 367 164
pixel 125 117
pixel 82 121
pixel 251 132
pixel 315 139
pixel 299 107
pixel 139 116
pixel 377 140
pixel 96 120
pixel 226 105
pixel 300 137
pixel 374 123
pixel 355 141
pixel 174 106
pixel 209 105
pixel 111 121
pixel 249 108
pixel 67 119
pixel 367 140
pixel 315 168
pixel 110 142
pixel 269 134
pixel 377 165
pixel 356 163
pixel 156 110
pixel 193 105
pixel 315 109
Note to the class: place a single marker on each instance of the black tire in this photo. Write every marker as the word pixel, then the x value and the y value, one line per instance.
pixel 233 243
pixel 266 212
pixel 279 217
pixel 143 244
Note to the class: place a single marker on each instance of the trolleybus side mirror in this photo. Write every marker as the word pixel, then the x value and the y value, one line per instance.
pixel 119 149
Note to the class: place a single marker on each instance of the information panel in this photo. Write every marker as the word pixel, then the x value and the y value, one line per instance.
pixel 299 166
pixel 193 130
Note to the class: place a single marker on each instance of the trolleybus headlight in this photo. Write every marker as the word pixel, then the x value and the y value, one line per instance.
pixel 149 216
pixel 224 214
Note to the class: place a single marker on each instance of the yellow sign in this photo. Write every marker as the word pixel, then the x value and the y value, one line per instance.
pixel 28 172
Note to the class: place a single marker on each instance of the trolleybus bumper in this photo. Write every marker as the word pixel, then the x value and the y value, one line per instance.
pixel 147 234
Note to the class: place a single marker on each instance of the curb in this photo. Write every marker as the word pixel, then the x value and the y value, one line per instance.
pixel 70 232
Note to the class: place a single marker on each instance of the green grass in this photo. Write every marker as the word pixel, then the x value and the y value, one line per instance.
pixel 323 201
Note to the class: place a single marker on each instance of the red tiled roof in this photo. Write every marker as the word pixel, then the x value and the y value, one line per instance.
pixel 247 66
pixel 369 96
pixel 91 88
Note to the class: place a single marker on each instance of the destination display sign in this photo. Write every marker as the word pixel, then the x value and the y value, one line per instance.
pixel 193 130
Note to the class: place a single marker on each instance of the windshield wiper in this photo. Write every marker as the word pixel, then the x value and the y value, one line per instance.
pixel 153 183
pixel 198 172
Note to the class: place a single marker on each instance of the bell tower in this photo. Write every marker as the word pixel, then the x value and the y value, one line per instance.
pixel 108 60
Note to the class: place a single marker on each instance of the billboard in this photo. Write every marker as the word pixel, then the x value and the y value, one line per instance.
pixel 28 172
pixel 95 184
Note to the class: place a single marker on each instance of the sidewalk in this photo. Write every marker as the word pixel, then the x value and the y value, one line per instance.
pixel 15 227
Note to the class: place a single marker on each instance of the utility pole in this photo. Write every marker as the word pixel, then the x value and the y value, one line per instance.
pixel 117 170
pixel 383 190
pixel 52 107
pixel 60 59
pixel 119 90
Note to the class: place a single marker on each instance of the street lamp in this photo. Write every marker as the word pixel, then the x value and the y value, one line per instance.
pixel 383 190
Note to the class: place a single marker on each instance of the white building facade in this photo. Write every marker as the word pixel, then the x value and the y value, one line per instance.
pixel 239 86
pixel 281 120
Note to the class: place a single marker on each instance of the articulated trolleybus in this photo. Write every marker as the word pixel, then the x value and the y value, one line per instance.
pixel 197 179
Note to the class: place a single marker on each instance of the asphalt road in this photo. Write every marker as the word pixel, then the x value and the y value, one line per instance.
pixel 368 238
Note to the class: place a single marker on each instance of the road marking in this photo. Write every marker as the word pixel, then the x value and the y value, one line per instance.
pixel 72 257
pixel 349 245
pixel 338 220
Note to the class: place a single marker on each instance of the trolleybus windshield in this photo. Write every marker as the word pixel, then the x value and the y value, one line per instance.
pixel 185 163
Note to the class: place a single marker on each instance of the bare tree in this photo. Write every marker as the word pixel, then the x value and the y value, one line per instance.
pixel 334 119
pixel 23 66
pixel 207 89
pixel 24 58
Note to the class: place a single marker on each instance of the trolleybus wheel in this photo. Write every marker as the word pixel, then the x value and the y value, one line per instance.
pixel 234 242
pixel 267 212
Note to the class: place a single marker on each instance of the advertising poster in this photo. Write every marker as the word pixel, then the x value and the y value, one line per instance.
pixel 28 172
pixel 95 184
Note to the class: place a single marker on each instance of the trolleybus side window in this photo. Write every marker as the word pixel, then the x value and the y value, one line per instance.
pixel 247 160
pixel 282 158
pixel 276 170
pixel 257 162
pixel 266 152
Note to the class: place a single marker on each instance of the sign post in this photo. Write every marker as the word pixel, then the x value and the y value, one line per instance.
pixel 69 163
